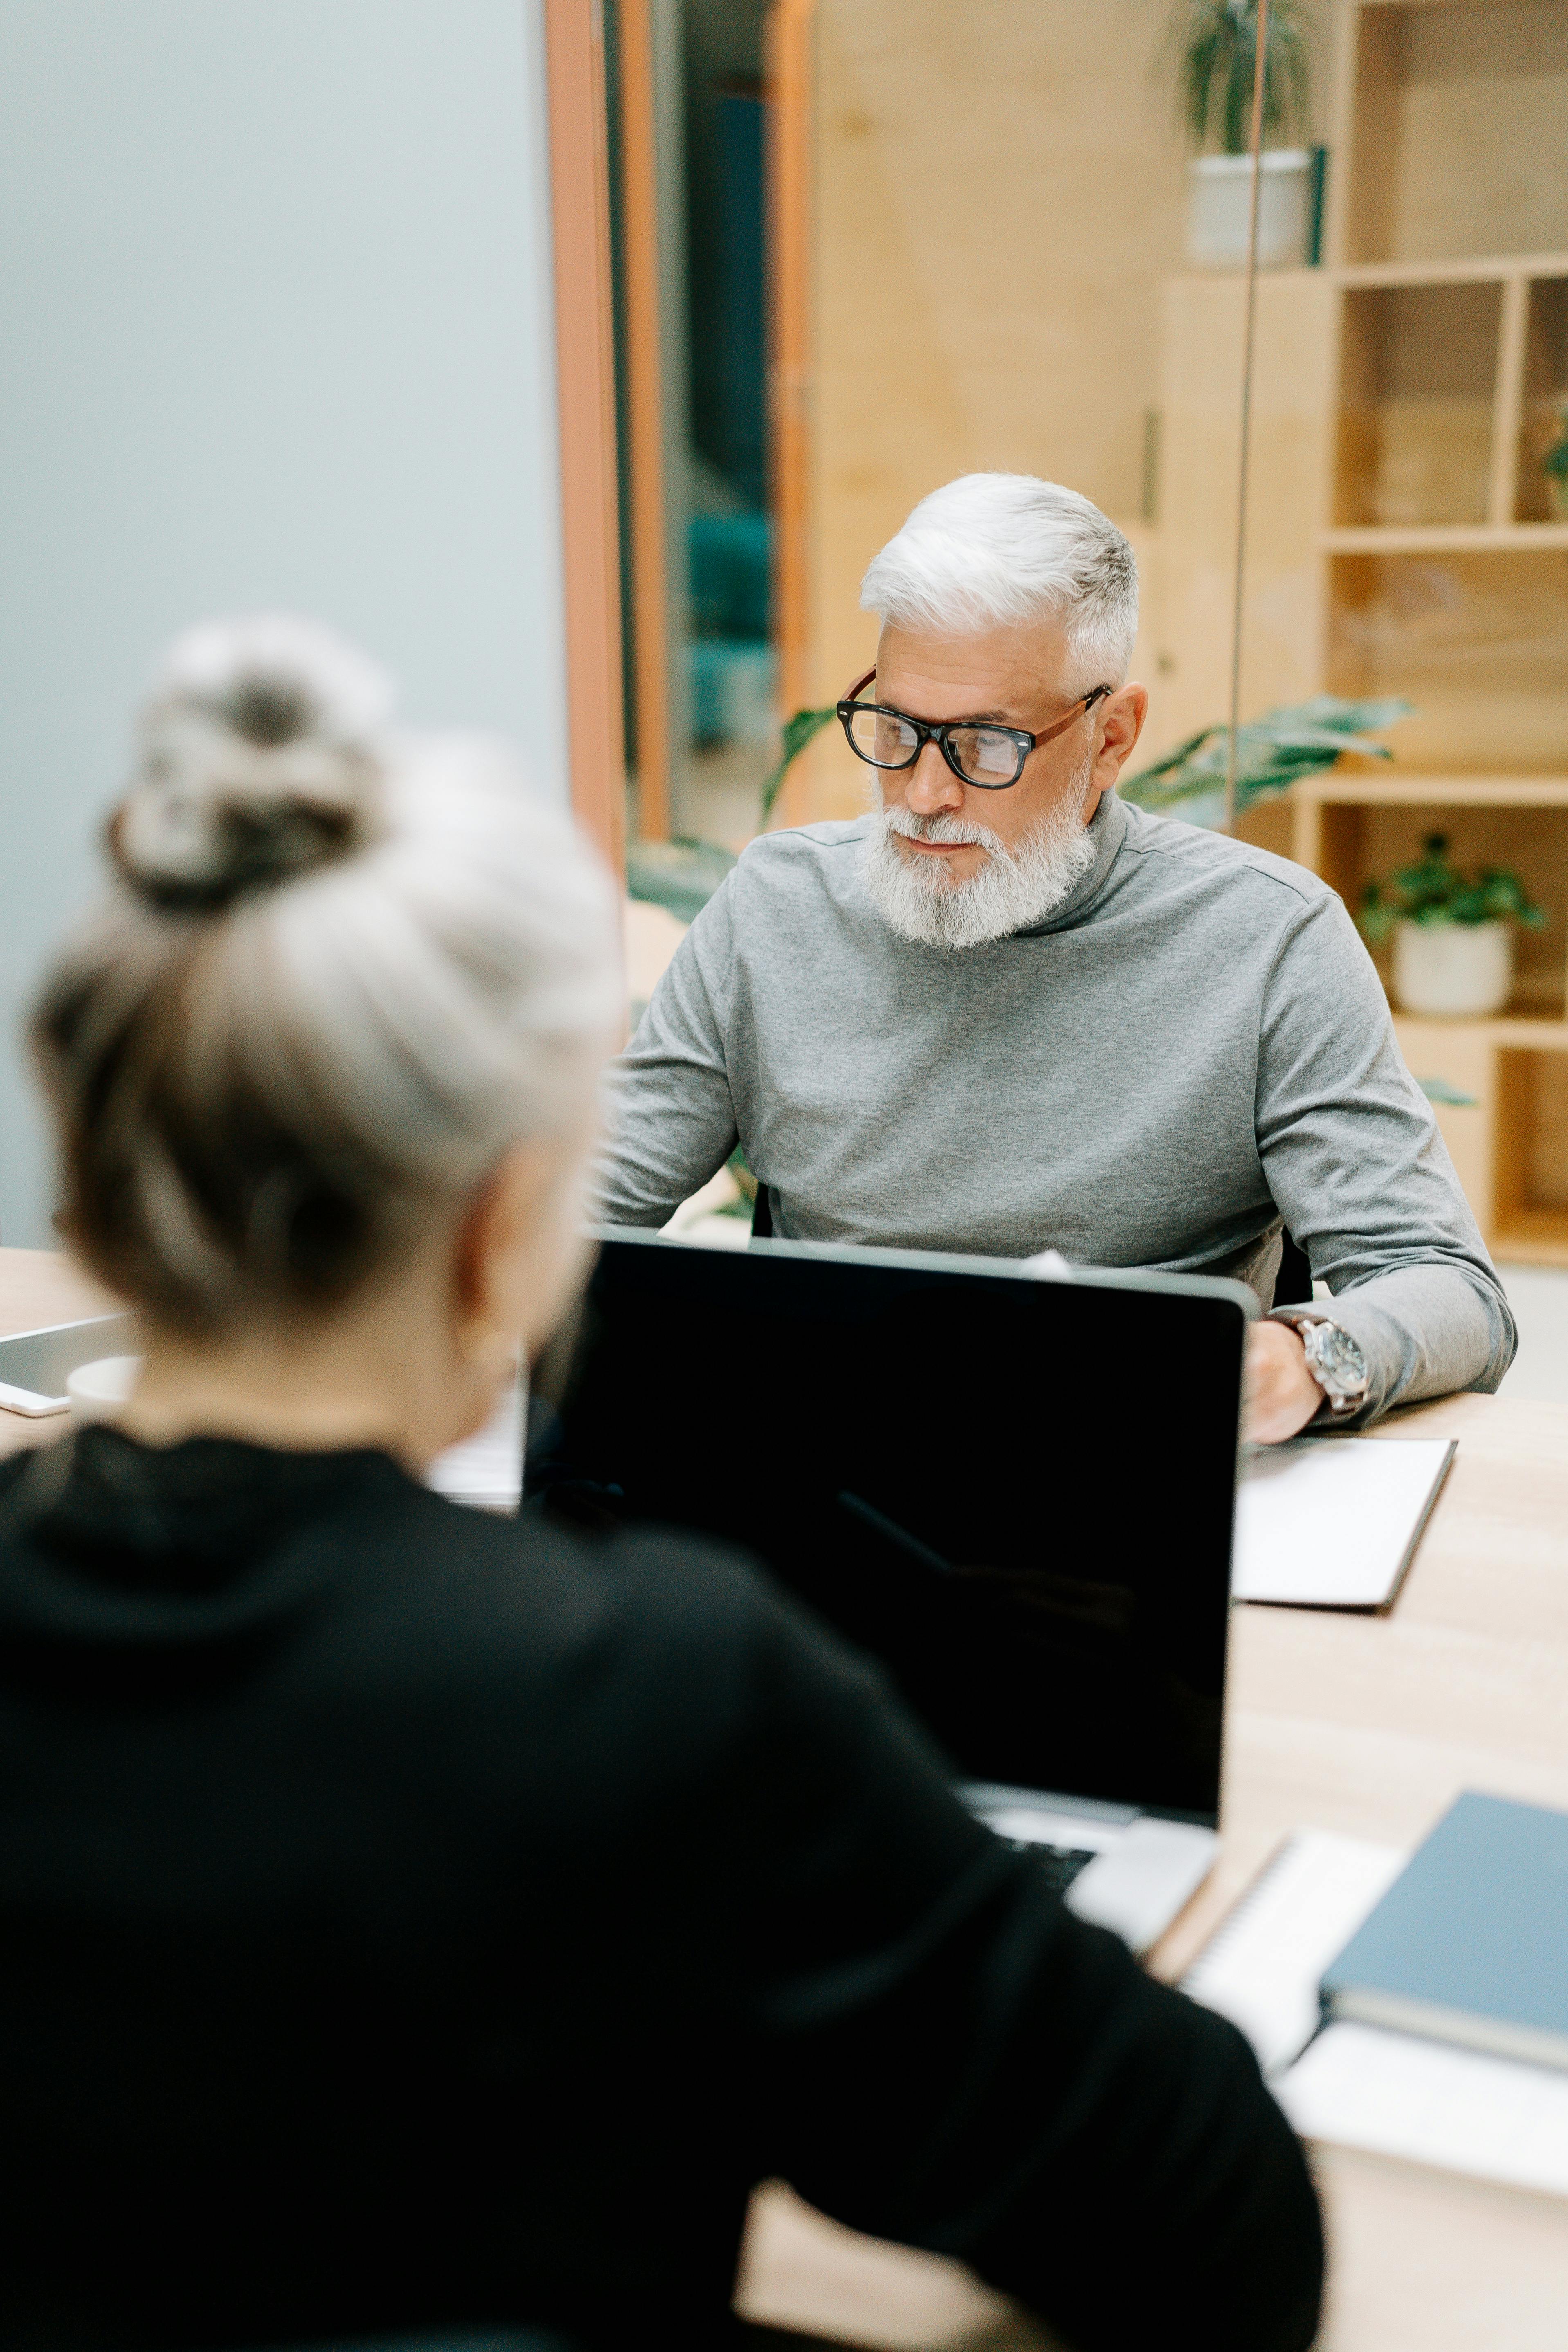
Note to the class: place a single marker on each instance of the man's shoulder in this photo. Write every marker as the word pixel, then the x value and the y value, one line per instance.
pixel 1193 852
pixel 803 859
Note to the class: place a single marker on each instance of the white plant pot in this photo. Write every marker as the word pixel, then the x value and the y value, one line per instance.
pixel 1220 204
pixel 1453 968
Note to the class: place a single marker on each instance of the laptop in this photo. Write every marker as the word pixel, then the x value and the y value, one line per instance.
pixel 36 1365
pixel 1015 1492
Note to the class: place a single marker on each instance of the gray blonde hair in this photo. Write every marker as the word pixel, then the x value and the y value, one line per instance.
pixel 339 971
pixel 994 551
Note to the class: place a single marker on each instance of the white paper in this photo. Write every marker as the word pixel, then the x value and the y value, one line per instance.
pixel 1331 1522
pixel 1263 1964
pixel 486 1470
pixel 1429 2102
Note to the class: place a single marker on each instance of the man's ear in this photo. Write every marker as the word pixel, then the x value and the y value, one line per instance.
pixel 1120 725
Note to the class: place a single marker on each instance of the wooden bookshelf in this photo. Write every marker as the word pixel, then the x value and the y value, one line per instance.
pixel 1403 539
pixel 1442 572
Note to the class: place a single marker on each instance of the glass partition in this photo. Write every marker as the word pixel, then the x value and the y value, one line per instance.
pixel 905 240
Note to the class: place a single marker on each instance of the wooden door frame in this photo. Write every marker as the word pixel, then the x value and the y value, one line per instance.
pixel 585 391
pixel 641 266
pixel 586 410
pixel 789 34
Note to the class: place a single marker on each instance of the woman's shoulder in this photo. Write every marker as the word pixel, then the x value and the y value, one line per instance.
pixel 534 1600
pixel 681 1610
pixel 648 1668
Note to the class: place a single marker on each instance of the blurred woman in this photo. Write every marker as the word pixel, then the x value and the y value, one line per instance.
pixel 412 1919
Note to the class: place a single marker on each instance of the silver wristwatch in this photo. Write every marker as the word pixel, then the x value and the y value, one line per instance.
pixel 1336 1363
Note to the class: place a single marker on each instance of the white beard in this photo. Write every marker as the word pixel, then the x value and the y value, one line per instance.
pixel 1016 889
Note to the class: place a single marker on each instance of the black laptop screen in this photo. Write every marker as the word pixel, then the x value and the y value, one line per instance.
pixel 1017 1495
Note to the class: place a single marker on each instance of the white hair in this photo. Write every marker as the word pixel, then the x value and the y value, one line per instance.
pixel 340 971
pixel 994 551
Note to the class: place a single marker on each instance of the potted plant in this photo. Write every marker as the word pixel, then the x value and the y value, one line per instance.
pixel 1453 939
pixel 1214 47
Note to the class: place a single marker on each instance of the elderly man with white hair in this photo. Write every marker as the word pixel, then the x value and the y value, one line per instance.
pixel 1005 1011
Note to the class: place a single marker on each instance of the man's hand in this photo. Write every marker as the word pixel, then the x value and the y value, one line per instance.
pixel 1279 1395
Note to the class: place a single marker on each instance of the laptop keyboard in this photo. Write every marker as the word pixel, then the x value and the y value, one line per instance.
pixel 1061 1863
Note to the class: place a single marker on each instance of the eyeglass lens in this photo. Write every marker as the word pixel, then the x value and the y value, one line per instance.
pixel 887 741
pixel 985 754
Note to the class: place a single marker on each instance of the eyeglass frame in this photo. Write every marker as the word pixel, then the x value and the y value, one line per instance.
pixel 938 731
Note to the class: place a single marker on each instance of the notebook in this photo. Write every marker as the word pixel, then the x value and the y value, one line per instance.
pixel 1333 1522
pixel 1470 1943
pixel 1261 1965
pixel 1429 2102
pixel 1356 2086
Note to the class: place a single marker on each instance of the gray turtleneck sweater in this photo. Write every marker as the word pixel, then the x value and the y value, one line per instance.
pixel 1191 1049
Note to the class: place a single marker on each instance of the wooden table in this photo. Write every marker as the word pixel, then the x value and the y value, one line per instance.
pixel 1368 1725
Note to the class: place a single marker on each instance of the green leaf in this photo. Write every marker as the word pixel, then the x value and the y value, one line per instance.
pixel 1438 1091
pixel 1435 891
pixel 1271 752
pixel 1213 44
pixel 797 733
pixel 681 875
pixel 1376 920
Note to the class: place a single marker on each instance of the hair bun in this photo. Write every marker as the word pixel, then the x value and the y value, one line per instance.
pixel 261 757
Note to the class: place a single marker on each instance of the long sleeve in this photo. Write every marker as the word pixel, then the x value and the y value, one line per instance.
pixel 668 1117
pixel 950 2059
pixel 1358 1169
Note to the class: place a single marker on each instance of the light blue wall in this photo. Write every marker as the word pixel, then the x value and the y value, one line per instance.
pixel 275 330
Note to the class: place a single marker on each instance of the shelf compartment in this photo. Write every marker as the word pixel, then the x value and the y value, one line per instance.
pixel 1530 1145
pixel 1458 113
pixel 1537 1237
pixel 1418 376
pixel 1545 383
pixel 1358 842
pixel 1476 641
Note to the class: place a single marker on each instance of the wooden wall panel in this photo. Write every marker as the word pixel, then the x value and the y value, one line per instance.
pixel 999 192
pixel 1200 406
pixel 1000 198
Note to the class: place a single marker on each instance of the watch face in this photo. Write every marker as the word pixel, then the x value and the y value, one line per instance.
pixel 1334 1351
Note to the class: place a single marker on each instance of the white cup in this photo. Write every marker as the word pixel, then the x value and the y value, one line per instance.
pixel 97 1391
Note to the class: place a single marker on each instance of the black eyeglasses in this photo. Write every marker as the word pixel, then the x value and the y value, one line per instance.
pixel 990 757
